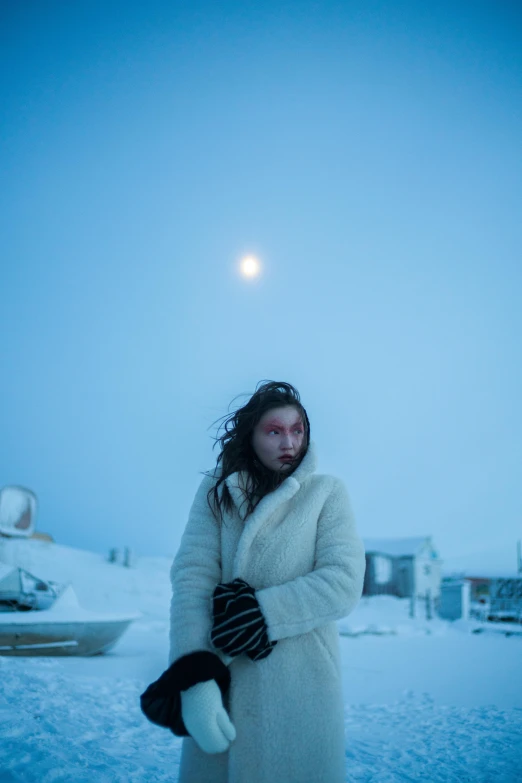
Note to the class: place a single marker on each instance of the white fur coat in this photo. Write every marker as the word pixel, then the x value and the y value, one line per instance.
pixel 301 551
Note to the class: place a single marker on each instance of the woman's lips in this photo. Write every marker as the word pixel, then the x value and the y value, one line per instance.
pixel 286 459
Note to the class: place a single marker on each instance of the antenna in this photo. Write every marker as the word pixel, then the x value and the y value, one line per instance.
pixel 519 558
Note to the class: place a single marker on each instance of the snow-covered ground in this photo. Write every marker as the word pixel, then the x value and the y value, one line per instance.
pixel 424 700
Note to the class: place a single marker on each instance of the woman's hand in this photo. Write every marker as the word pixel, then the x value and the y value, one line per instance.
pixel 238 623
pixel 161 701
pixel 206 719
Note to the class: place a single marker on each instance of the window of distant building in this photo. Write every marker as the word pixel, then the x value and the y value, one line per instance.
pixel 382 569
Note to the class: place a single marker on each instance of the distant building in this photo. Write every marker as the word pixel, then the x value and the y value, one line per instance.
pixel 454 602
pixel 483 581
pixel 479 586
pixel 401 567
pixel 490 585
pixel 481 597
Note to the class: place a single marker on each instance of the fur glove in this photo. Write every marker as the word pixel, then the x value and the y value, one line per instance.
pixel 161 701
pixel 206 719
pixel 238 623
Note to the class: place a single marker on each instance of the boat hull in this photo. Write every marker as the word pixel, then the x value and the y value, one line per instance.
pixel 61 638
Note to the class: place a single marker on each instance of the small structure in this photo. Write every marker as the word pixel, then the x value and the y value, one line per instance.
pixel 126 558
pixel 405 567
pixel 487 584
pixel 478 586
pixel 506 598
pixel 454 601
pixel 492 594
pixel 18 506
pixel 17 511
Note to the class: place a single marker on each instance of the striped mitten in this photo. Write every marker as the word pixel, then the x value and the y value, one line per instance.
pixel 239 625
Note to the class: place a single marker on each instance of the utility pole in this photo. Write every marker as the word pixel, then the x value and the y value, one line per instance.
pixel 519 558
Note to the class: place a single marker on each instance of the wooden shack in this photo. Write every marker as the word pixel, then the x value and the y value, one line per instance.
pixel 402 567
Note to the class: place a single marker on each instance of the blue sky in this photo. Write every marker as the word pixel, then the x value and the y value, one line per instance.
pixel 367 152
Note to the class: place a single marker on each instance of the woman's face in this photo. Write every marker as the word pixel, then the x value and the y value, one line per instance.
pixel 280 432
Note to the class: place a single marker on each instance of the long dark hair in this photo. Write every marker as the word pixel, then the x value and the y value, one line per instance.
pixel 237 452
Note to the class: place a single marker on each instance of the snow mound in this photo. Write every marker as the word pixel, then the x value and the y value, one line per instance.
pixel 387 614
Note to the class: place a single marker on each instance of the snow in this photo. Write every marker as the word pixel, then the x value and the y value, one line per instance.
pixel 424 699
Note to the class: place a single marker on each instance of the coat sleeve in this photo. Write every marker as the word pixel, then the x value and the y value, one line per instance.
pixel 195 572
pixel 334 586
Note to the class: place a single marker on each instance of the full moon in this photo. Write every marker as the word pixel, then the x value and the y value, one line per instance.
pixel 250 266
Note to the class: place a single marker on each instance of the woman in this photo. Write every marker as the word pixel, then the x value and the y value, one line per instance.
pixel 269 560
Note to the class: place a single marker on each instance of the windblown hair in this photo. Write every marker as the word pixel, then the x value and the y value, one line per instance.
pixel 237 452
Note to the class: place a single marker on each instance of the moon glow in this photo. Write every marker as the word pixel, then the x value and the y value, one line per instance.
pixel 250 267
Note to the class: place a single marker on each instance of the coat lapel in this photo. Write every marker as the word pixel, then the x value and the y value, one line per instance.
pixel 236 483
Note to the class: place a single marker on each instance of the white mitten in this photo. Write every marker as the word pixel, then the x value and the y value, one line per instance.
pixel 205 718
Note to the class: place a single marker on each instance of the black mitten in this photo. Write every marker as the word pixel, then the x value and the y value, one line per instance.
pixel 238 624
pixel 161 701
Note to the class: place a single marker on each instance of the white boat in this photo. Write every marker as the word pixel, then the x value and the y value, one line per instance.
pixel 42 617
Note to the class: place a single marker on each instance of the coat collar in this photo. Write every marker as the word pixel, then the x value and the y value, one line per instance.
pixel 238 481
pixel 267 505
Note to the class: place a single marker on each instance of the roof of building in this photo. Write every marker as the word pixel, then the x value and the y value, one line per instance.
pixel 484 573
pixel 395 547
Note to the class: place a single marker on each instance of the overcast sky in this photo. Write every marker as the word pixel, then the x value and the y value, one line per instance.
pixel 368 152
